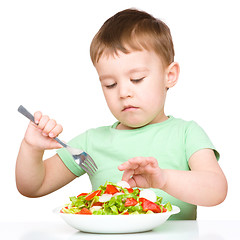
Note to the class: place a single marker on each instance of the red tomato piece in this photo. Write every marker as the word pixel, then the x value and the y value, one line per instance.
pixel 97 204
pixel 93 194
pixel 110 189
pixel 148 205
pixel 130 190
pixel 82 194
pixel 130 202
pixel 126 213
pixel 84 211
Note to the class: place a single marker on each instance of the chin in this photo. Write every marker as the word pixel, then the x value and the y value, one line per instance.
pixel 134 125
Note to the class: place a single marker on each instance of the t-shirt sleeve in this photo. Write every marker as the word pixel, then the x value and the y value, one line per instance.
pixel 196 139
pixel 79 142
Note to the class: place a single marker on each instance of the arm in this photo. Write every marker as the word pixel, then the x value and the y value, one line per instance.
pixel 35 177
pixel 204 185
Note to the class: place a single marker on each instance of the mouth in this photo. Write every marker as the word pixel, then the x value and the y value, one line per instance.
pixel 129 108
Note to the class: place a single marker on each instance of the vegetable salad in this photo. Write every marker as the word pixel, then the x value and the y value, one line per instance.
pixel 116 199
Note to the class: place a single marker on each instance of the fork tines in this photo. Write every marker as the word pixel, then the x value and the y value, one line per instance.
pixel 87 164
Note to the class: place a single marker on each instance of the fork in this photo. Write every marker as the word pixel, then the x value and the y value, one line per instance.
pixel 80 157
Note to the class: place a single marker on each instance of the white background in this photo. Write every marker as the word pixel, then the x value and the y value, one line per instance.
pixel 45 65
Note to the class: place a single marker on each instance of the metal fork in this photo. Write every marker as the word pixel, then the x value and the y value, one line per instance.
pixel 80 157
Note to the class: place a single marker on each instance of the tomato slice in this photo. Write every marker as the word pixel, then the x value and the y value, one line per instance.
pixel 93 194
pixel 97 204
pixel 82 194
pixel 84 211
pixel 130 202
pixel 110 189
pixel 149 205
pixel 130 190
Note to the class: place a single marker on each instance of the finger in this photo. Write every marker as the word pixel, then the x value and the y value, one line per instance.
pixel 49 126
pixel 130 164
pixel 148 166
pixel 140 170
pixel 37 117
pixel 43 121
pixel 54 144
pixel 153 162
pixel 127 175
pixel 51 144
pixel 134 163
pixel 56 131
pixel 132 182
pixel 144 162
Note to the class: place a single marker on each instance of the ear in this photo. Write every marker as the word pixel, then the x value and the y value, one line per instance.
pixel 172 74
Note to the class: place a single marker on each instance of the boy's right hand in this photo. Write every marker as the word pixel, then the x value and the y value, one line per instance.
pixel 40 136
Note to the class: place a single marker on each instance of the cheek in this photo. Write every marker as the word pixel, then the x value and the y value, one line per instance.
pixel 154 94
pixel 111 102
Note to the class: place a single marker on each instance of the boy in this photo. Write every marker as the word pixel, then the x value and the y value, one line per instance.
pixel 134 56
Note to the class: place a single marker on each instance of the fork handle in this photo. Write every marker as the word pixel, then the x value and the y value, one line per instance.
pixel 59 141
pixel 28 115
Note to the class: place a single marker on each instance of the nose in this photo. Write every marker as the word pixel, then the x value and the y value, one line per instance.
pixel 125 90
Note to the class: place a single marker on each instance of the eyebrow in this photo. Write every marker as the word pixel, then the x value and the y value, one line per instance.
pixel 139 69
pixel 105 76
pixel 131 71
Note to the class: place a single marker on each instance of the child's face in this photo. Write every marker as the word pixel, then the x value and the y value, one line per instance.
pixel 134 86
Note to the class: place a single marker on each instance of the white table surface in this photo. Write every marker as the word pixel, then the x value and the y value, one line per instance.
pixel 54 230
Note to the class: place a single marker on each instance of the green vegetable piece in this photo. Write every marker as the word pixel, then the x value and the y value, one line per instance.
pixel 114 210
pixel 168 206
pixel 149 212
pixel 159 200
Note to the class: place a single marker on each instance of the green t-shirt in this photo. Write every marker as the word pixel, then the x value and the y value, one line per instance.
pixel 171 142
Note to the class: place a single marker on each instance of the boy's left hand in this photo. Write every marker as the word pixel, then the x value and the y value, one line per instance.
pixel 143 172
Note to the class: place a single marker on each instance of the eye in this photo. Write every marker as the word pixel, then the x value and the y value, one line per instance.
pixel 111 85
pixel 137 80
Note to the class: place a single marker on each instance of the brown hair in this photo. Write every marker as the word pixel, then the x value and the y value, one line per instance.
pixel 132 29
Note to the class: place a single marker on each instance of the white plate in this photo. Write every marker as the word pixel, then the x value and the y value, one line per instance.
pixel 116 223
